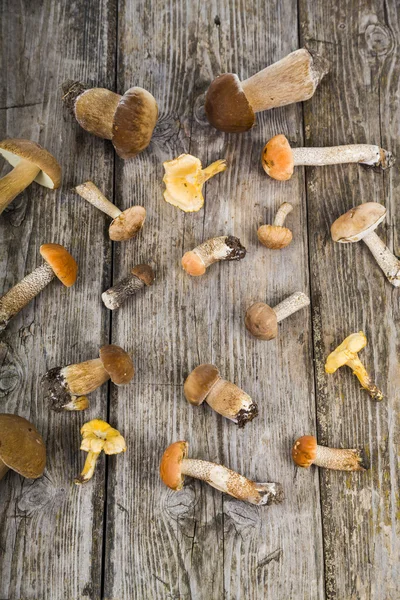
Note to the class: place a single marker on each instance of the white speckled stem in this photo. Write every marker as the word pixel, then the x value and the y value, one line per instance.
pixel 90 192
pixel 213 250
pixel 16 181
pixel 334 155
pixel 115 296
pixel 291 305
pixel 282 213
pixel 3 469
pixel 338 459
pixel 389 263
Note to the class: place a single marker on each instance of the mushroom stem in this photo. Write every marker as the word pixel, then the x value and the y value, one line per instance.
pixel 88 468
pixel 3 469
pixel 16 181
pixel 232 483
pixel 282 213
pixel 366 154
pixel 216 167
pixel 23 292
pixel 231 402
pixel 115 296
pixel 341 459
pixel 361 373
pixel 291 305
pixel 85 377
pixel 90 192
pixel 389 263
pixel 219 248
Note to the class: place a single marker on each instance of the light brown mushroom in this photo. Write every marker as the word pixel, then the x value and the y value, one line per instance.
pixel 262 321
pixel 21 447
pixel 98 436
pixel 307 452
pixel 140 276
pixel 276 236
pixel 226 247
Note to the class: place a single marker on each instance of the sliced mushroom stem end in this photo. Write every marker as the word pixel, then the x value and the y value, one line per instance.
pixel 90 192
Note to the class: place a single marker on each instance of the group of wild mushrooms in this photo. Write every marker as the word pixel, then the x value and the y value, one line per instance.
pixel 129 121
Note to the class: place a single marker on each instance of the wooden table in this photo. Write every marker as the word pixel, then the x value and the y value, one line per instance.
pixel 125 535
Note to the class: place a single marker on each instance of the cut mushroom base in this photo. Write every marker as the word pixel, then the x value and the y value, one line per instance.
pixel 276 236
pixel 195 262
pixel 262 321
pixel 141 276
pixel 306 452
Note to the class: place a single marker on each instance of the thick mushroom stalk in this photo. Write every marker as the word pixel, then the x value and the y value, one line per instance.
pixel 387 261
pixel 262 321
pixel 276 236
pixel 226 247
pixel 347 354
pixel 306 452
pixel 12 184
pixel 141 276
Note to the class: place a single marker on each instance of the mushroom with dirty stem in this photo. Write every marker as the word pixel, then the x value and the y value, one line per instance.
pixel 58 263
pixel 66 387
pixel 359 223
pixel 230 104
pixel 125 224
pixel 140 276
pixel 227 399
pixel 279 159
pixel 22 447
pixel 262 321
pixel 175 465
pixel 276 236
pixel 97 436
pixel 31 163
pixel 307 452
pixel 184 179
pixel 347 354
pixel 128 120
pixel 226 247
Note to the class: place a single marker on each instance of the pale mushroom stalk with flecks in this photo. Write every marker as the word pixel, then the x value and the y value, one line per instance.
pixel 141 276
pixel 307 452
pixel 262 321
pixel 226 247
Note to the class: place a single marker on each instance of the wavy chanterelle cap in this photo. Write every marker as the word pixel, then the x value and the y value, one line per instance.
pixel 98 436
pixel 62 263
pixel 22 447
pixel 14 150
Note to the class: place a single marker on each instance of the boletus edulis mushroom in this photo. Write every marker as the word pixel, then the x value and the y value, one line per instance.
pixel 206 384
pixel 66 387
pixel 175 465
pixel 230 104
pixel 347 354
pixel 225 247
pixel 22 447
pixel 58 263
pixel 307 452
pixel 141 276
pixel 276 236
pixel 98 436
pixel 262 321
pixel 31 163
pixel 279 159
pixel 128 120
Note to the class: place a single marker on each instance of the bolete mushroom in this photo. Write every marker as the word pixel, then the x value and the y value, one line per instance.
pixel 230 104
pixel 128 120
pixel 97 435
pixel 175 465
pixel 347 354
pixel 226 247
pixel 184 178
pixel 125 224
pixel 22 447
pixel 227 399
pixel 31 162
pixel 306 452
pixel 66 387
pixel 276 236
pixel 140 276
pixel 262 321
pixel 359 223
pixel 279 159
pixel 58 263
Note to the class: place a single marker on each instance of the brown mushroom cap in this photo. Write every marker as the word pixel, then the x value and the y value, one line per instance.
pixel 261 321
pixel 357 222
pixel 199 383
pixel 145 273
pixel 21 446
pixel 226 105
pixel 128 224
pixel 277 158
pixel 62 263
pixel 15 150
pixel 117 363
pixel 134 121
pixel 274 237
pixel 170 466
pixel 304 451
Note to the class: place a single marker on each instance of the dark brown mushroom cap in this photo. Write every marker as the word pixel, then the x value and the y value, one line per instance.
pixel 22 447
pixel 145 273
pixel 13 150
pixel 357 222
pixel 134 121
pixel 127 224
pixel 199 383
pixel 261 321
pixel 171 465
pixel 117 363
pixel 62 263
pixel 226 105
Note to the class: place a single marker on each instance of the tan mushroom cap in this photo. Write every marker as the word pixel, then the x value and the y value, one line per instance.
pixel 15 150
pixel 22 447
pixel 62 263
pixel 170 466
pixel 117 363
pixel 357 222
pixel 261 321
pixel 128 224
pixel 145 273
pixel 134 121
pixel 277 158
pixel 226 105
pixel 199 383
pixel 274 237
pixel 304 451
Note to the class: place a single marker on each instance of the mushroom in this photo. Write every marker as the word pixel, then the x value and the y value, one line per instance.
pixel 279 159
pixel 276 236
pixel 347 354
pixel 227 399
pixel 226 247
pixel 262 321
pixel 184 178
pixel 175 465
pixel 359 223
pixel 97 435
pixel 125 224
pixel 306 452
pixel 140 276
pixel 66 387
pixel 230 104
pixel 128 120
pixel 58 263
pixel 31 162
pixel 22 447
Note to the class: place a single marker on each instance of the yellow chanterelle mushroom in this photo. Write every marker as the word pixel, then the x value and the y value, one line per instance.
pixel 97 436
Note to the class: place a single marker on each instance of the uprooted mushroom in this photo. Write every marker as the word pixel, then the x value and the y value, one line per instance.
pixel 98 436
pixel 307 452
pixel 141 276
pixel 22 448
pixel 262 321
pixel 226 247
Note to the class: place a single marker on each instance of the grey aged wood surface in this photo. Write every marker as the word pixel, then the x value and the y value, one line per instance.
pixel 125 535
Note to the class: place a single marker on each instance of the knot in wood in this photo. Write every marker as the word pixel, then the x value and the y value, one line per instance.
pixel 10 370
pixel 39 494
pixel 242 515
pixel 199 112
pixel 181 504
pixel 379 39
